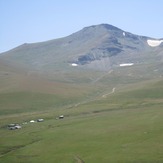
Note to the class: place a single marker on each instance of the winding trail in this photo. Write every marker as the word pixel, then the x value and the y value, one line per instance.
pixel 102 76
pixel 96 98
pixel 78 159
pixel 105 95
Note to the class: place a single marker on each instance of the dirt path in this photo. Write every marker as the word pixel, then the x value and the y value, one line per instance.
pixel 102 76
pixel 78 159
pixel 86 101
pixel 105 95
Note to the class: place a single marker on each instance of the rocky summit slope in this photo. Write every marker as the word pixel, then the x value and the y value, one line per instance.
pixel 97 47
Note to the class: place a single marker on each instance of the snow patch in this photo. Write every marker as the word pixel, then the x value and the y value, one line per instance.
pixel 126 64
pixel 74 64
pixel 154 43
pixel 124 33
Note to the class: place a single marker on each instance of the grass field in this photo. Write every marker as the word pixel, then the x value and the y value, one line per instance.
pixel 125 126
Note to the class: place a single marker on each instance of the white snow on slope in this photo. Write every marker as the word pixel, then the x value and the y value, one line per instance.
pixel 74 64
pixel 126 64
pixel 154 43
pixel 124 34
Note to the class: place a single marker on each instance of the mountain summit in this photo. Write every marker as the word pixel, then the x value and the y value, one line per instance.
pixel 97 47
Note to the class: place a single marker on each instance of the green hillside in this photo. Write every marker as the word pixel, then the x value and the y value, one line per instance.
pixel 109 116
pixel 94 110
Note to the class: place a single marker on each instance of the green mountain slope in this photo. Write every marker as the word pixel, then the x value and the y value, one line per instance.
pixel 111 99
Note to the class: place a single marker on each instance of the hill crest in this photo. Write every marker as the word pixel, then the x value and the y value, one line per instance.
pixel 97 47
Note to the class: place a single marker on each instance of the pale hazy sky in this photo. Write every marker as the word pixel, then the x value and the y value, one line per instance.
pixel 27 21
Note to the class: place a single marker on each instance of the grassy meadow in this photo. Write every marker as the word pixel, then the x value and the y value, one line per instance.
pixel 124 126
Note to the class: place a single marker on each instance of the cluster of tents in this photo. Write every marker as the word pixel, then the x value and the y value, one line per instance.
pixel 14 126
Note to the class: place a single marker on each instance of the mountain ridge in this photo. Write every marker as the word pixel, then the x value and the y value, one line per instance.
pixel 95 47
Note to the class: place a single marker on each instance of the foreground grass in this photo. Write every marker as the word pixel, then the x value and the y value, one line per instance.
pixel 115 136
pixel 123 127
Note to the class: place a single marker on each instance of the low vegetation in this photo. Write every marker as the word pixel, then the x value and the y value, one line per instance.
pixel 125 126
